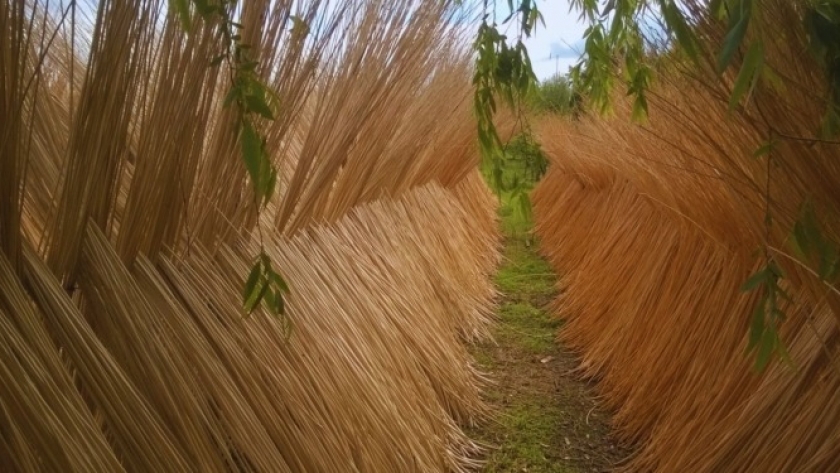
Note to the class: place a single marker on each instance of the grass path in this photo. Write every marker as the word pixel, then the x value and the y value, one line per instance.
pixel 546 419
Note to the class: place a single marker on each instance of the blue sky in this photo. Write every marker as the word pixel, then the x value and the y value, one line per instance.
pixel 556 46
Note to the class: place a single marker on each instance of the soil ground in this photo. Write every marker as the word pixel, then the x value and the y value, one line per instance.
pixel 546 418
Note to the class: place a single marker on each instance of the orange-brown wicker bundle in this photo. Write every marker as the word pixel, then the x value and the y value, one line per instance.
pixel 654 229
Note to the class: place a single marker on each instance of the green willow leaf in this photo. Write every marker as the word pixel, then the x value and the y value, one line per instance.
pixel 768 344
pixel 739 22
pixel 274 302
pixel 748 75
pixel 250 97
pixel 683 32
pixel 232 96
pixel 248 66
pixel 279 282
pixel 265 184
pixel 261 296
pixel 182 11
pixel 758 279
pixel 251 152
pixel 799 240
pixel 828 261
pixel 217 60
pixel 717 8
pixel 203 8
pixel 299 26
pixel 764 149
pixel 266 262
pixel 270 185
pixel 251 282
pixel 640 107
pixel 757 325
pixel 256 295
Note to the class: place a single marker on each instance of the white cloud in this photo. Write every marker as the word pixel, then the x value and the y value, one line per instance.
pixel 557 46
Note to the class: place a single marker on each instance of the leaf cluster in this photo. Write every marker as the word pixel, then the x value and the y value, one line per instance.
pixel 264 284
pixel 503 71
pixel 767 316
pixel 614 47
pixel 813 247
pixel 525 154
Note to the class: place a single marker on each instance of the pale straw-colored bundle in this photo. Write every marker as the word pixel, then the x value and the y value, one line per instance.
pixel 127 228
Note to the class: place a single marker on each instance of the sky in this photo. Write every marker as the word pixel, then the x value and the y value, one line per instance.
pixel 557 46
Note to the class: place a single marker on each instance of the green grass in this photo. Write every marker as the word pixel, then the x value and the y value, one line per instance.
pixel 529 328
pixel 534 424
pixel 546 419
pixel 525 273
pixel 527 428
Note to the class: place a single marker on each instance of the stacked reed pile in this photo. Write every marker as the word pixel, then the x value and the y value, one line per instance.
pixel 655 228
pixel 126 229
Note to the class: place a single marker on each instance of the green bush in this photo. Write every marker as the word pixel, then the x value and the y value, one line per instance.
pixel 556 95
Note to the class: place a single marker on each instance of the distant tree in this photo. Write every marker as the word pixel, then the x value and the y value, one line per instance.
pixel 556 95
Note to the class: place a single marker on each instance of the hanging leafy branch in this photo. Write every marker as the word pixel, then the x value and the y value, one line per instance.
pixel 768 316
pixel 614 43
pixel 821 22
pixel 502 71
pixel 252 101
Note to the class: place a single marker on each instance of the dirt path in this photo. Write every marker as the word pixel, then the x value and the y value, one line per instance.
pixel 547 419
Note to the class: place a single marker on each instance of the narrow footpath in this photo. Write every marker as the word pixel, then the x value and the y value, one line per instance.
pixel 546 418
